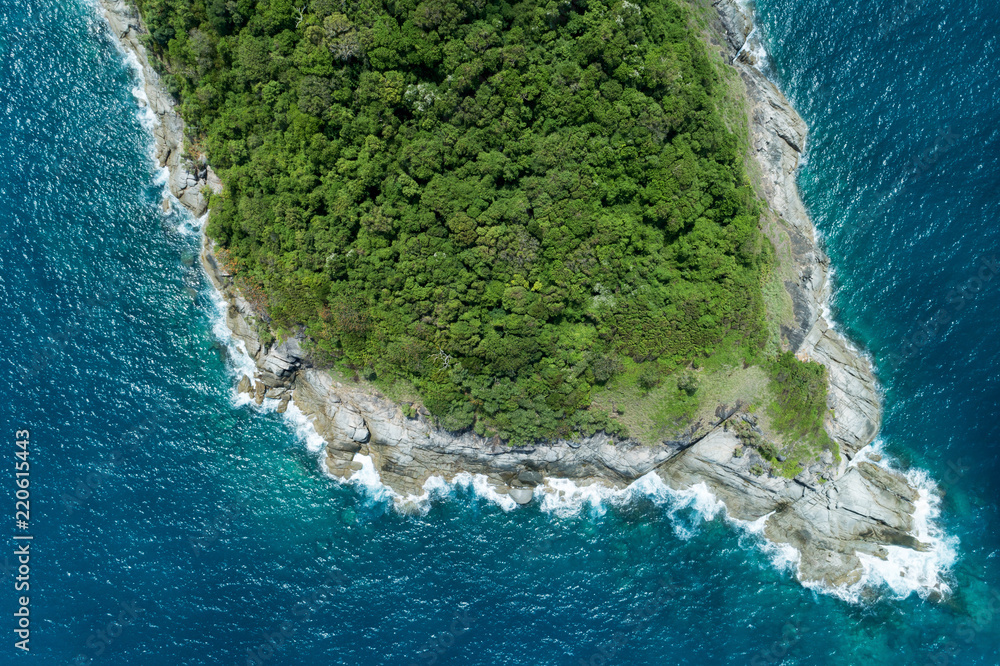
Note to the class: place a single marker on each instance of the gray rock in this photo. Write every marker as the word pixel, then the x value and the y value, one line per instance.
pixel 187 180
pixel 275 392
pixel 348 445
pixel 270 380
pixel 861 512
pixel 406 452
pixel 522 495
pixel 530 477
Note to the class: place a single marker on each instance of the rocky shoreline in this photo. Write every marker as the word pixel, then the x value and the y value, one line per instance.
pixel 188 177
pixel 864 508
pixel 777 138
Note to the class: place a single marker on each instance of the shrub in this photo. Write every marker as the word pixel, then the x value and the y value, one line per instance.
pixel 687 382
pixel 649 376
pixel 605 367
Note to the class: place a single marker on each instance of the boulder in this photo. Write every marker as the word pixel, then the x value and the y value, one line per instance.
pixel 530 477
pixel 270 380
pixel 352 424
pixel 522 495
pixel 276 392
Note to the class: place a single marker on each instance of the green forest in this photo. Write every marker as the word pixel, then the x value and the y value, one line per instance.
pixel 493 203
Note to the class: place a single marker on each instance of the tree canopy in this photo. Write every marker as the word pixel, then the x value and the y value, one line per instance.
pixel 493 201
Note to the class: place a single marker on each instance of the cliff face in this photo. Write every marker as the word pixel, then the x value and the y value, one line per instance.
pixel 864 509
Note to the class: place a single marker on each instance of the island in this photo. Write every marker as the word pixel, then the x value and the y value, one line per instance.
pixel 528 241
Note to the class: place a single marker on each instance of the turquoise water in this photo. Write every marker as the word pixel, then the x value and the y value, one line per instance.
pixel 207 528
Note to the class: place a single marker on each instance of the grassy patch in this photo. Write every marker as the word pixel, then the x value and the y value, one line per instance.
pixel 672 408
pixel 797 412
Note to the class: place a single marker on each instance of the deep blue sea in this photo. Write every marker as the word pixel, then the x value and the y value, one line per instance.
pixel 173 525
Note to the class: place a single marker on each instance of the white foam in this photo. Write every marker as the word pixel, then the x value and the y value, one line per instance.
pixel 149 121
pixel 365 479
pixel 437 487
pixel 754 44
pixel 434 488
pixel 304 428
pixel 190 225
pixel 706 507
pixel 368 478
pixel 754 47
pixel 783 556
pixel 481 486
pixel 147 117
pixel 906 571
pixel 563 497
pixel 902 573
pixel 240 363
pixel 161 176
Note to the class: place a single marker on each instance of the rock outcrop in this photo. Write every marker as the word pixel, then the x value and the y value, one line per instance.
pixel 863 509
pixel 188 179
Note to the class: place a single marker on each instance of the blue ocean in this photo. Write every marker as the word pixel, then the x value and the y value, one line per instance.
pixel 172 524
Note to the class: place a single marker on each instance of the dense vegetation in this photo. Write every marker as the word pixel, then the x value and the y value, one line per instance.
pixel 494 202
